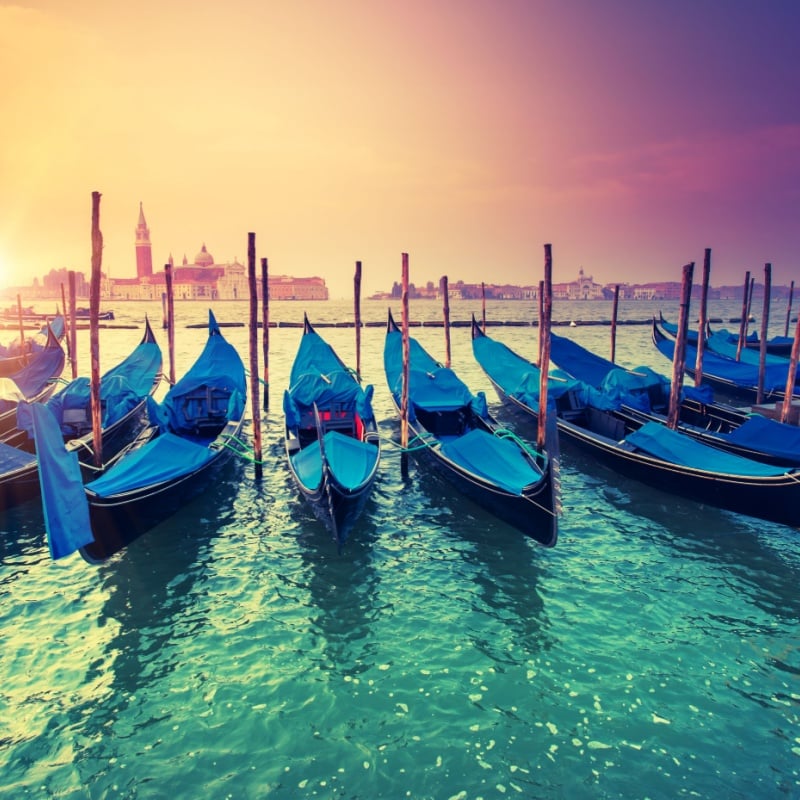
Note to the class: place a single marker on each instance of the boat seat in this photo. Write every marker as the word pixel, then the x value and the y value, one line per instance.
pixel 74 420
pixel 206 407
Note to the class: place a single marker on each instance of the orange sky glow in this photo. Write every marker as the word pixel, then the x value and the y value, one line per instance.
pixel 631 135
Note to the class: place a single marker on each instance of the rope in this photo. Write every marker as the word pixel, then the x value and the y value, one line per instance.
pixel 505 433
pixel 241 449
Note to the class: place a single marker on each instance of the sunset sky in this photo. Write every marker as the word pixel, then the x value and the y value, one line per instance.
pixel 630 134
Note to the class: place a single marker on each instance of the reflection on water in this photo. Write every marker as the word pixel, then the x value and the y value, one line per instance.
pixel 235 651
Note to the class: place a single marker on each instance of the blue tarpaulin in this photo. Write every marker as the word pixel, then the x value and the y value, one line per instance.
pixel 661 442
pixel 66 510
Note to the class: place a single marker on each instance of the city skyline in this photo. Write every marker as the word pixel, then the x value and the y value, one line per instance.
pixel 630 136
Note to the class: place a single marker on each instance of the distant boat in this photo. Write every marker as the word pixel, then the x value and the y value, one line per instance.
pixel 645 451
pixel 452 431
pixel 172 461
pixel 84 313
pixel 16 355
pixel 734 379
pixel 332 444
pixel 32 383
pixel 777 345
pixel 644 395
pixel 123 393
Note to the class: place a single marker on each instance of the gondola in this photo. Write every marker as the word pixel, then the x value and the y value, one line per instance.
pixel 452 432
pixel 733 379
pixel 776 345
pixel 33 383
pixel 18 355
pixel 648 451
pixel 124 390
pixel 644 395
pixel 169 463
pixel 332 442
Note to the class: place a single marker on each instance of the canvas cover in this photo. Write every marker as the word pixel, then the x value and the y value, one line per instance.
pixel 66 510
pixel 162 459
pixel 217 367
pixel 723 344
pixel 498 461
pixel 319 376
pixel 517 377
pixel 737 372
pixel 430 385
pixel 170 455
pixel 661 442
pixel 122 388
pixel 350 461
pixel 767 436
pixel 32 379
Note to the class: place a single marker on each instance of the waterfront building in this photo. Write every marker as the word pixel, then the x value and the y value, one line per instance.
pixel 203 279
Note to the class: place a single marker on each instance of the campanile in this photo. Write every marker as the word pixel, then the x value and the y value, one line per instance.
pixel 144 251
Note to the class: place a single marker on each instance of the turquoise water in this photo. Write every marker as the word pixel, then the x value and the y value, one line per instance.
pixel 233 652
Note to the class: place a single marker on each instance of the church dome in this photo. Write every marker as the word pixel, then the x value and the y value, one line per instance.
pixel 204 258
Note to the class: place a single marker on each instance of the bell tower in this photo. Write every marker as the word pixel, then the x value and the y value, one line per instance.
pixel 144 251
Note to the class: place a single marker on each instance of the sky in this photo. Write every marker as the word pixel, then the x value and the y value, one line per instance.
pixel 629 134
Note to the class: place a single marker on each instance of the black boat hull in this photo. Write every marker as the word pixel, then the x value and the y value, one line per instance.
pixel 121 519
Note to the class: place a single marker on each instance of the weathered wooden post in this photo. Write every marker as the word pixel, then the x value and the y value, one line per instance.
pixel 544 343
pixel 614 308
pixel 357 316
pixel 21 331
pixel 94 336
pixel 265 327
pixel 406 370
pixel 67 326
pixel 255 403
pixel 444 291
pixel 679 359
pixel 170 320
pixel 789 309
pixel 792 375
pixel 73 342
pixel 762 345
pixel 702 320
pixel 541 315
pixel 743 321
pixel 483 306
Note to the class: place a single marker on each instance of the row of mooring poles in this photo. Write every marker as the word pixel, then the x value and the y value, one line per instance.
pixel 70 332
pixel 545 321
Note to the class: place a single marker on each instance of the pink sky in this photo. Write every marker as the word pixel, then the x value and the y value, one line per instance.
pixel 629 134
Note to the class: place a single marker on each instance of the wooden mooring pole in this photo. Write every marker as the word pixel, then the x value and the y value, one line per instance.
pixel 94 334
pixel 544 343
pixel 21 330
pixel 702 320
pixel 72 327
pixel 679 357
pixel 762 345
pixel 743 321
pixel 789 309
pixel 444 291
pixel 169 318
pixel 67 326
pixel 406 370
pixel 614 309
pixel 265 327
pixel 255 403
pixel 791 376
pixel 357 316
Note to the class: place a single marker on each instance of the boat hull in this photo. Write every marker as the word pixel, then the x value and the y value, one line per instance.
pixel 532 513
pixel 119 520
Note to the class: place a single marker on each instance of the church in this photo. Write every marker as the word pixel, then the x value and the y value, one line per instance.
pixel 203 279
